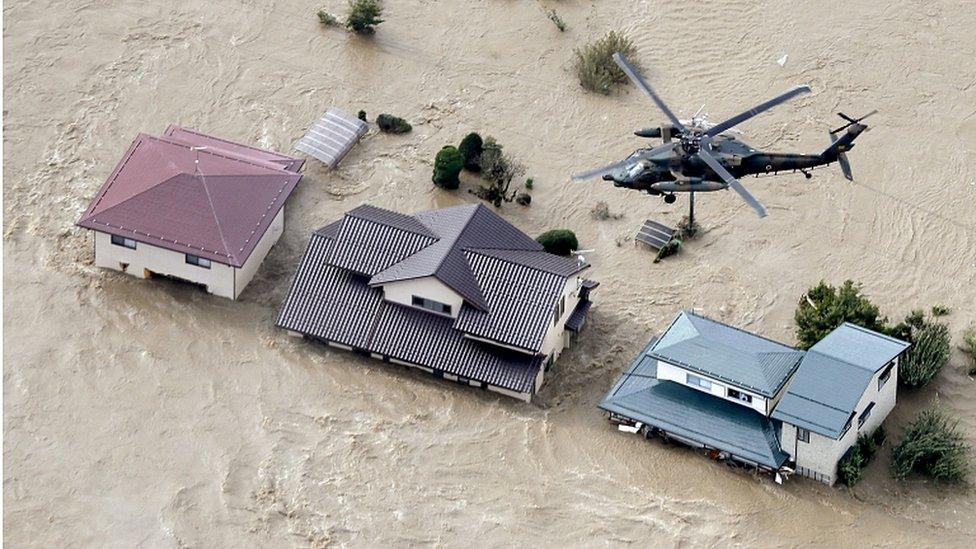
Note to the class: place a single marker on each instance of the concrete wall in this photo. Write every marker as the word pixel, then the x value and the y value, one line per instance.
pixel 219 278
pixel 822 453
pixel 244 275
pixel 402 292
pixel 666 370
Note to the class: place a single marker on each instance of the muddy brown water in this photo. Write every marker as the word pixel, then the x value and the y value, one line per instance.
pixel 148 413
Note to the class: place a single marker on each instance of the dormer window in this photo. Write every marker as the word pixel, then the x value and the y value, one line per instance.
pixel 430 305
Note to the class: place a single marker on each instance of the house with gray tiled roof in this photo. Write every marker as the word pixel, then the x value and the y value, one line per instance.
pixel 458 292
pixel 755 401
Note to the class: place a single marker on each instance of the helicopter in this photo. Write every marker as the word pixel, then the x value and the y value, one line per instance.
pixel 698 156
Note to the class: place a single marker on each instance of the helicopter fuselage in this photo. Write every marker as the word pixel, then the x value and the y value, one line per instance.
pixel 669 168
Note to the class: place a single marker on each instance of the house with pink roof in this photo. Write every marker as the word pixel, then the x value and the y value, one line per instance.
pixel 191 206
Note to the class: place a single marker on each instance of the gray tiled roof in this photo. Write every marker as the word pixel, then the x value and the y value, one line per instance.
pixel 333 304
pixel 520 302
pixel 715 422
pixel 726 353
pixel 367 246
pixel 576 320
pixel 826 388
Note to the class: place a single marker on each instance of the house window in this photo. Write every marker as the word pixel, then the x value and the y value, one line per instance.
pixel 198 261
pixel 430 305
pixel 123 241
pixel 864 415
pixel 802 434
pixel 699 382
pixel 739 395
pixel 883 378
pixel 559 310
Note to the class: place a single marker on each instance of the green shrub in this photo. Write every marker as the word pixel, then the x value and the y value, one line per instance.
pixel 825 307
pixel 447 165
pixel 558 241
pixel 499 170
pixel 850 468
pixel 928 354
pixel 529 183
pixel 362 116
pixel 470 148
pixel 672 247
pixel 556 20
pixel 595 67
pixel 392 124
pixel 327 18
pixel 940 310
pixel 932 445
pixel 969 347
pixel 364 15
pixel 523 199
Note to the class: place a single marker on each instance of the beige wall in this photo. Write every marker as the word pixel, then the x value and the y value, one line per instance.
pixel 220 279
pixel 556 338
pixel 245 274
pixel 429 287
pixel 676 374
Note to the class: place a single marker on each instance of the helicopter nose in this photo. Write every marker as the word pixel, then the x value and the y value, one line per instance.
pixel 607 177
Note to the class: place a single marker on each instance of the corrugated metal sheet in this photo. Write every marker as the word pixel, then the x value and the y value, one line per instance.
pixel 694 415
pixel 212 203
pixel 332 136
pixel 726 353
pixel 521 301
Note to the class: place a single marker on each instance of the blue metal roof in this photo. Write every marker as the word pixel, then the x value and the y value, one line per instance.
pixel 860 346
pixel 726 353
pixel 694 415
pixel 832 377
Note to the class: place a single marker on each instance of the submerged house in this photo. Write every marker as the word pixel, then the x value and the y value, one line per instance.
pixel 758 402
pixel 458 292
pixel 193 207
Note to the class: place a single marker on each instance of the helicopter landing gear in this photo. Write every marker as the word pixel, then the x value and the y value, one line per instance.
pixel 806 174
pixel 670 198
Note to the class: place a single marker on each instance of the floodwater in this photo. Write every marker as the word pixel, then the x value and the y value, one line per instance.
pixel 148 413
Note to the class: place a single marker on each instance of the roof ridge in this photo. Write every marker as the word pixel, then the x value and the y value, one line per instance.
pixel 509 260
pixel 870 332
pixel 214 152
pixel 223 140
pixel 213 210
pixel 743 330
pixel 432 233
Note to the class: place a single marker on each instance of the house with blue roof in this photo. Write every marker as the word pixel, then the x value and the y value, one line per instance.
pixel 755 401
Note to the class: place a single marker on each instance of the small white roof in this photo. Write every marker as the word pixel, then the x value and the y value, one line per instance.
pixel 331 137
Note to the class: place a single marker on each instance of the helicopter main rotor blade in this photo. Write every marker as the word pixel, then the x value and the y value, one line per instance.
pixel 717 167
pixel 638 81
pixel 599 171
pixel 762 107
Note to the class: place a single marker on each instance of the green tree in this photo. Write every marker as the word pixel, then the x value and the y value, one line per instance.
pixel 470 148
pixel 447 165
pixel 825 307
pixel 932 445
pixel 364 15
pixel 558 241
pixel 392 124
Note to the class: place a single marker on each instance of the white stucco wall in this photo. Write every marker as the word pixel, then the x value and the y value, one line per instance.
pixel 556 338
pixel 220 279
pixel 668 371
pixel 822 453
pixel 245 274
pixel 402 292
